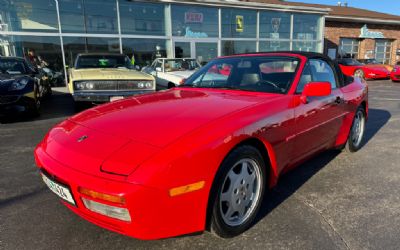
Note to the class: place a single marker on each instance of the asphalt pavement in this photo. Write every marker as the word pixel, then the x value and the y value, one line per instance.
pixel 334 201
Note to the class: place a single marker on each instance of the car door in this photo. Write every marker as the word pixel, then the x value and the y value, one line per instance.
pixel 318 121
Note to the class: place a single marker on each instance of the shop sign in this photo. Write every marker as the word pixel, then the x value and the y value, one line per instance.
pixel 192 17
pixel 191 34
pixel 276 23
pixel 365 33
pixel 239 24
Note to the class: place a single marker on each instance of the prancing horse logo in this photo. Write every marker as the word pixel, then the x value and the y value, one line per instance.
pixel 82 138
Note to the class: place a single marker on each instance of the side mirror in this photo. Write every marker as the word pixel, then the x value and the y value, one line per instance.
pixel 159 69
pixel 313 89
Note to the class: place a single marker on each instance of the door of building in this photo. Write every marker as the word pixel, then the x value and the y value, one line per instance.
pixel 203 51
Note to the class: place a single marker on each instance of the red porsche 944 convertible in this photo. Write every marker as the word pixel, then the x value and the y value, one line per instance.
pixel 201 156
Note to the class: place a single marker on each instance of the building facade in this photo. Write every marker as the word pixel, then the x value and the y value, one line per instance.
pixel 57 30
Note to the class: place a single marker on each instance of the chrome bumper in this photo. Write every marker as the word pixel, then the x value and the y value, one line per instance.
pixel 104 96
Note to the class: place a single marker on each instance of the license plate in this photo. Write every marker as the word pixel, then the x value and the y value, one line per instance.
pixel 116 98
pixel 60 190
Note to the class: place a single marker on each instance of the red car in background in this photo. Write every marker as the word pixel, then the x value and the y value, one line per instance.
pixel 395 75
pixel 201 156
pixel 352 67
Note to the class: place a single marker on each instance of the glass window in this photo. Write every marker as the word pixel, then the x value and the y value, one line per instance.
pixel 88 16
pixel 28 15
pixel 274 25
pixel 306 27
pixel 261 74
pixel 75 45
pixel 238 47
pixel 102 61
pixel 145 51
pixel 194 22
pixel 383 50
pixel 239 23
pixel 305 45
pixel 266 46
pixel 322 72
pixel 349 47
pixel 142 18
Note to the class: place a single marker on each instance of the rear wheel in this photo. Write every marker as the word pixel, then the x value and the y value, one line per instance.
pixel 357 131
pixel 237 192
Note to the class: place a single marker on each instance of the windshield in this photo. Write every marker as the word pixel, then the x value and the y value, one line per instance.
pixel 12 66
pixel 180 65
pixel 261 74
pixel 103 61
pixel 350 62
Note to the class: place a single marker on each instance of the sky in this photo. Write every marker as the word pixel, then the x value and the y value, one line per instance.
pixel 386 6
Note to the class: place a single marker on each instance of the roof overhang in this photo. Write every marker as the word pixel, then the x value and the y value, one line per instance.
pixel 362 20
pixel 251 5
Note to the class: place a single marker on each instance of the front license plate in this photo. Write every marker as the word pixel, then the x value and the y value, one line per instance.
pixel 116 98
pixel 60 190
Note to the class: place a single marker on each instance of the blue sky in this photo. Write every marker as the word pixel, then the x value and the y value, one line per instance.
pixel 386 6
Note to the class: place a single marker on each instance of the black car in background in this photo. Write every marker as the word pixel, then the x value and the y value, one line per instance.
pixel 22 87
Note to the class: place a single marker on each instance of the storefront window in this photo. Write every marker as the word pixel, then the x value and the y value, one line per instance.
pixel 238 47
pixel 308 46
pixel 349 47
pixel 142 18
pixel 239 23
pixel 194 22
pixel 144 50
pixel 274 25
pixel 383 49
pixel 75 45
pixel 266 46
pixel 28 15
pixel 88 16
pixel 306 27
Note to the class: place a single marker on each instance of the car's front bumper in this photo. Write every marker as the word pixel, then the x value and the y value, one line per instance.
pixel 105 96
pixel 154 214
pixel 11 104
pixel 395 77
pixel 377 76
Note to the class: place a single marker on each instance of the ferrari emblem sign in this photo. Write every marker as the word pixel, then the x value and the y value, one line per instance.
pixel 239 24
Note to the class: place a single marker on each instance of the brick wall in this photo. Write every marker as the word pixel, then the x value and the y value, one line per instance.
pixel 336 30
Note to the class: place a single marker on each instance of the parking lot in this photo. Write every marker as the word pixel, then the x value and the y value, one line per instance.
pixel 334 201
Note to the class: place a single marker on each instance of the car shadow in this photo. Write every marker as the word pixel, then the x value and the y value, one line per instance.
pixel 290 182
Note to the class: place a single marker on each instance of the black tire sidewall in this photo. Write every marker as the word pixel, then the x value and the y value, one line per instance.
pixel 217 224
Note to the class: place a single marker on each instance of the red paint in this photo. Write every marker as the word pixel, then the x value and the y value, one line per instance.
pixel 370 71
pixel 141 147
pixel 395 74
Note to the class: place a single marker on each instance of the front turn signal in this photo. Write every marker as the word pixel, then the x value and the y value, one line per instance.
pixel 101 196
pixel 186 189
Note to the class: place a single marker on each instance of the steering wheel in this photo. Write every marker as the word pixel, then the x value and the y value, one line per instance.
pixel 266 82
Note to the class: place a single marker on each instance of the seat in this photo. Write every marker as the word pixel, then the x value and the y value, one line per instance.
pixel 250 79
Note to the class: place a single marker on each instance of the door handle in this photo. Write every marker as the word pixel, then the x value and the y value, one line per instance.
pixel 338 100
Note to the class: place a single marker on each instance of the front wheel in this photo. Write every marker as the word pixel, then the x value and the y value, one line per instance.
pixel 238 191
pixel 357 131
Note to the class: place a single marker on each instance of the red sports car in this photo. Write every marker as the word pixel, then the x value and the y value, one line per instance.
pixel 395 75
pixel 201 156
pixel 352 67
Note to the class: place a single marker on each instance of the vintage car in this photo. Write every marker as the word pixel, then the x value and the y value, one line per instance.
pixel 172 72
pixel 375 63
pixel 352 67
pixel 99 78
pixel 395 74
pixel 202 155
pixel 22 87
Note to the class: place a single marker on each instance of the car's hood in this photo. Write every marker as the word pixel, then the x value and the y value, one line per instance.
pixel 161 118
pixel 182 74
pixel 378 68
pixel 109 74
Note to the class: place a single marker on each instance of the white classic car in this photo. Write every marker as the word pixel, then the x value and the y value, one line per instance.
pixel 172 72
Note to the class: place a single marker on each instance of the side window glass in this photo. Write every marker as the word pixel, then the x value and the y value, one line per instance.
pixel 306 77
pixel 322 72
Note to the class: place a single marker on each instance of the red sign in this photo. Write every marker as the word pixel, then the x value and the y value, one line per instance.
pixel 192 17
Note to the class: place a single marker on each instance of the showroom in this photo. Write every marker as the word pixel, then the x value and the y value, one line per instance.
pixel 56 31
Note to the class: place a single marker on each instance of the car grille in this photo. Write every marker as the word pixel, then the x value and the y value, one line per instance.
pixel 113 85
pixel 6 99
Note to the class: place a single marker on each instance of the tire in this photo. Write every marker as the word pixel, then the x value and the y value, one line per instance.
pixel 357 131
pixel 236 199
pixel 360 74
pixel 171 85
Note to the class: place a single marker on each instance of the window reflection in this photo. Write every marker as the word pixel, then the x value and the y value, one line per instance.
pixel 194 22
pixel 266 46
pixel 238 47
pixel 144 50
pixel 306 27
pixel 142 18
pixel 274 25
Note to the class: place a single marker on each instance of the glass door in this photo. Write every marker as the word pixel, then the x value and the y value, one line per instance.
pixel 205 51
pixel 183 50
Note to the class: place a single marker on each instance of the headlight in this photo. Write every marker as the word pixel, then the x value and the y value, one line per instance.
pixel 145 84
pixel 141 85
pixel 18 84
pixel 149 85
pixel 80 85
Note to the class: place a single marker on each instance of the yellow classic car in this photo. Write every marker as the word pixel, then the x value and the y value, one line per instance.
pixel 98 78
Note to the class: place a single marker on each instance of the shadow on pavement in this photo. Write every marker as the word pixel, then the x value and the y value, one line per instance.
pixel 293 180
